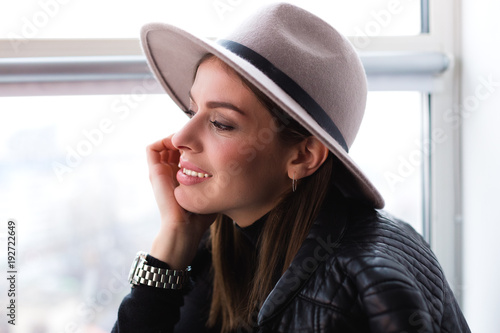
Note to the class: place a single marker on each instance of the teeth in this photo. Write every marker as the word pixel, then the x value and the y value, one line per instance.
pixel 194 173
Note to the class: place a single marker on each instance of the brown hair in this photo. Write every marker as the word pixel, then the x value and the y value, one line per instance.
pixel 242 277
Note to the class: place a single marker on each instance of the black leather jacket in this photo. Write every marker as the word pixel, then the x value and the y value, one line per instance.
pixel 359 270
pixel 367 272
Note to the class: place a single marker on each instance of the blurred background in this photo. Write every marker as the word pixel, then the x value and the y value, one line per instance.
pixel 78 106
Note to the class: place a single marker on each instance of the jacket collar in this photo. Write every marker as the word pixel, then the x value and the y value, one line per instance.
pixel 322 240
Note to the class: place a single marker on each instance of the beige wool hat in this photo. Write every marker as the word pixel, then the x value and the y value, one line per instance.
pixel 299 61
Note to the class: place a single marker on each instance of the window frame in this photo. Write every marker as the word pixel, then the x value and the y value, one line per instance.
pixel 441 168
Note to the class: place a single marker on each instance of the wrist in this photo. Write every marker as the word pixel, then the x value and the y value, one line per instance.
pixel 174 249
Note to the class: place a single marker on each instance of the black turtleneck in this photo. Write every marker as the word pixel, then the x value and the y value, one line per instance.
pixel 253 231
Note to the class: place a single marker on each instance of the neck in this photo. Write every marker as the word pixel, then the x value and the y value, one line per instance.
pixel 246 219
pixel 253 231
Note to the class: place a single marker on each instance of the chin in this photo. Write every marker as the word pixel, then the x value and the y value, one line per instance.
pixel 196 202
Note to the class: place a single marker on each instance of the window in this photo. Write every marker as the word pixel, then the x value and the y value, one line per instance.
pixel 72 162
pixel 75 178
pixel 123 19
pixel 389 137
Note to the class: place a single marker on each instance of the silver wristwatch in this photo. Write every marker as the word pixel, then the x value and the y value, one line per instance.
pixel 142 273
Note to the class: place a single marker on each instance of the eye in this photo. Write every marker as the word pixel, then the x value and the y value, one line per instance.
pixel 190 113
pixel 221 127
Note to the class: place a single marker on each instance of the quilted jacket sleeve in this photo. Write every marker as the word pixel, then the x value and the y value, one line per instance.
pixel 148 309
pixel 401 286
pixel 390 299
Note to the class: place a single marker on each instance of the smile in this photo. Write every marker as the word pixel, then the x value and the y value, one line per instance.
pixel 191 174
pixel 195 174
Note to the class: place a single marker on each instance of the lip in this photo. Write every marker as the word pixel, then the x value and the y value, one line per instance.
pixel 190 180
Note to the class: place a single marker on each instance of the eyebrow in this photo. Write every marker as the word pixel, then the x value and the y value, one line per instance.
pixel 216 104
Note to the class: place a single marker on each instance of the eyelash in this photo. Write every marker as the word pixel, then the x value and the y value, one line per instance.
pixel 219 126
pixel 190 113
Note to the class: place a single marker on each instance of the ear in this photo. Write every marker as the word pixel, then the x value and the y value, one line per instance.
pixel 307 157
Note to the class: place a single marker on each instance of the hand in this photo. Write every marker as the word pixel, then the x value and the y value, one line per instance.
pixel 180 231
pixel 163 159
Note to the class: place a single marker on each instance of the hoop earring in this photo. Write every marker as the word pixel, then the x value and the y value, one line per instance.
pixel 294 183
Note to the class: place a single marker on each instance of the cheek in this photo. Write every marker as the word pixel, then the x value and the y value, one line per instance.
pixel 249 160
pixel 239 167
pixel 229 161
pixel 250 152
pixel 252 165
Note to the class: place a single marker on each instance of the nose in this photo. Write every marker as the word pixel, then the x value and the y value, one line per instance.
pixel 188 137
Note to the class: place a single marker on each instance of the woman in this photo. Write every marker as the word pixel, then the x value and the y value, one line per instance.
pixel 258 195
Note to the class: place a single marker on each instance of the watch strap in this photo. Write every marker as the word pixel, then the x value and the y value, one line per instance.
pixel 141 273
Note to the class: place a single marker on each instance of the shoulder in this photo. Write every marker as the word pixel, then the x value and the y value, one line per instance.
pixel 391 269
pixel 381 268
pixel 378 248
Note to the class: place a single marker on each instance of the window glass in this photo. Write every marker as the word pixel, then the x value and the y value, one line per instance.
pixel 73 174
pixel 123 19
pixel 388 148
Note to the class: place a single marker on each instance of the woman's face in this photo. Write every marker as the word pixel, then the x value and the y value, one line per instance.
pixel 232 161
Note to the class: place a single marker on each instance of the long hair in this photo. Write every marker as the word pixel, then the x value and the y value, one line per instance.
pixel 243 277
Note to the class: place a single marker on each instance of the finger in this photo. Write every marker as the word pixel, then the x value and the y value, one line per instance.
pixel 170 157
pixel 167 142
pixel 173 157
pixel 159 146
pixel 173 153
pixel 154 151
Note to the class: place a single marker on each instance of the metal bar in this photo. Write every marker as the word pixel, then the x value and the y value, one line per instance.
pixel 73 69
pixel 426 169
pixel 118 68
pixel 405 63
pixel 424 17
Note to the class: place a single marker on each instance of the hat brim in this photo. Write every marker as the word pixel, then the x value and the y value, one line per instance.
pixel 173 53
